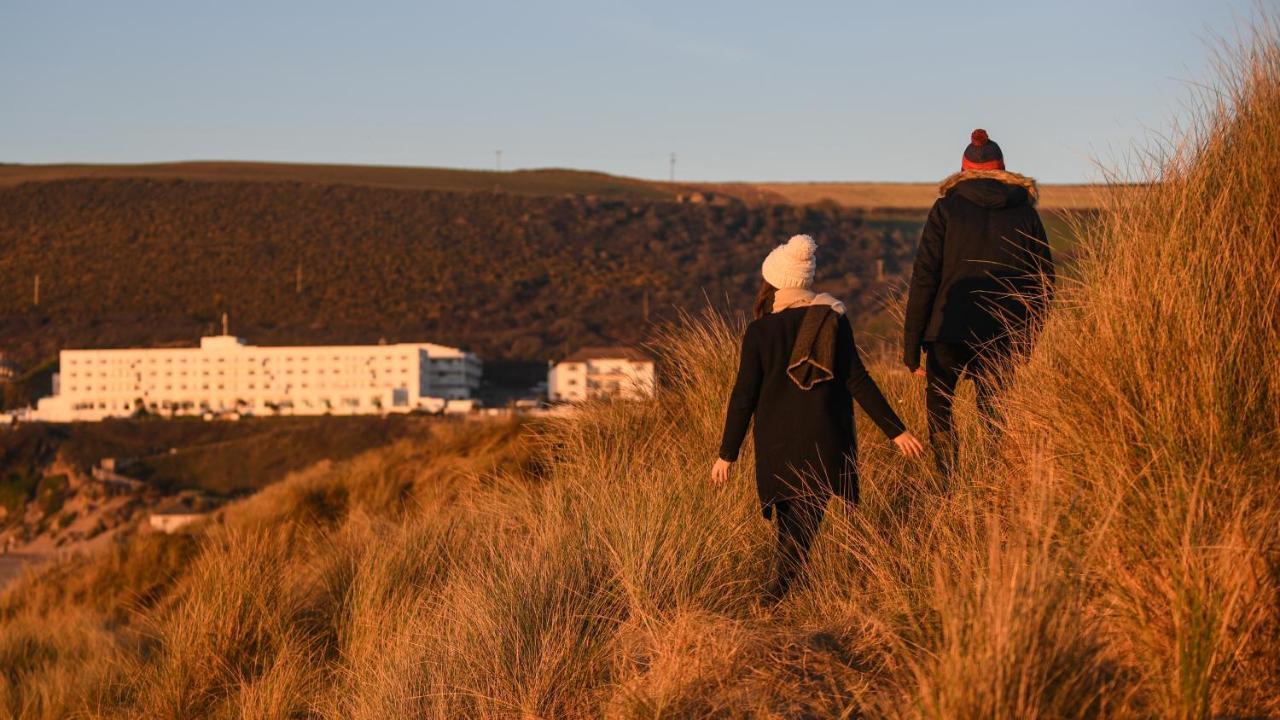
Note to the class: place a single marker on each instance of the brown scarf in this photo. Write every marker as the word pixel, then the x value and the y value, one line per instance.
pixel 813 356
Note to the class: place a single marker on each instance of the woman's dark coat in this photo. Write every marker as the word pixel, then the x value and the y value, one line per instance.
pixel 805 441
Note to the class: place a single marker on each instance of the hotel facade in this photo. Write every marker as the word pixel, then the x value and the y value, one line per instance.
pixel 601 372
pixel 225 375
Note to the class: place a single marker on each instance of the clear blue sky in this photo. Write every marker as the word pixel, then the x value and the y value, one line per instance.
pixel 739 90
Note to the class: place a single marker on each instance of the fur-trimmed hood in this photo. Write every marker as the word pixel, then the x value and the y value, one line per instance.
pixel 1002 176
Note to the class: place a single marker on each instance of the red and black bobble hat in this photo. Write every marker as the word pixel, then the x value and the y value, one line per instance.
pixel 982 154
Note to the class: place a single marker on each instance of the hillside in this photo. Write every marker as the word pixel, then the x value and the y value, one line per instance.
pixel 520 182
pixel 515 266
pixel 544 182
pixel 898 195
pixel 157 261
pixel 51 504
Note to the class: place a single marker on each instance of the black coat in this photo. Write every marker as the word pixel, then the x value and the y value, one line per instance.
pixel 805 441
pixel 979 270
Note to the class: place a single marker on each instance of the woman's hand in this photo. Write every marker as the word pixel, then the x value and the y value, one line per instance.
pixel 720 472
pixel 909 445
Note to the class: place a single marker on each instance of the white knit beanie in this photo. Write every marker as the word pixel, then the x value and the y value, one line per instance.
pixel 791 265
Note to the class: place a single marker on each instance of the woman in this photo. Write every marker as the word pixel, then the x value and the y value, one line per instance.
pixel 798 376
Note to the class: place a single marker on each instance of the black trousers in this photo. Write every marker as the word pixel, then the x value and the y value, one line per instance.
pixel 945 364
pixel 795 524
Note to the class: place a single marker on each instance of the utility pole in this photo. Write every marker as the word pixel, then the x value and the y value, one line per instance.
pixel 673 167
pixel 224 324
pixel 35 291
pixel 497 154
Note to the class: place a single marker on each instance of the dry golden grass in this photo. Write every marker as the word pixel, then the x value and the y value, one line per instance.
pixel 1116 555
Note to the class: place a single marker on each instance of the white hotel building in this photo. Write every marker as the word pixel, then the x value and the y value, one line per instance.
pixel 225 375
pixel 601 372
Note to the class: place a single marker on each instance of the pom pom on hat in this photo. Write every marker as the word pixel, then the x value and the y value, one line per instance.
pixel 792 264
pixel 982 153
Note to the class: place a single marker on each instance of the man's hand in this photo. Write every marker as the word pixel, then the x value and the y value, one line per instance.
pixel 909 445
pixel 720 472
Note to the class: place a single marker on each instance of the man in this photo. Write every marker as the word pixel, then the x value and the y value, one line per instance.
pixel 981 282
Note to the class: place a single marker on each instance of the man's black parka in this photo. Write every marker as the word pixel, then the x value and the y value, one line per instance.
pixel 980 270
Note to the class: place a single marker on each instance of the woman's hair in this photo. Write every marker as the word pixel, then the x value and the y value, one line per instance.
pixel 764 299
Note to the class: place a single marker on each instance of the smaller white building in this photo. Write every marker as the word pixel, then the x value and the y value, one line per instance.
pixel 600 372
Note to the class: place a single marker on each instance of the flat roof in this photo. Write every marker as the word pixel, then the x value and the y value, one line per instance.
pixel 230 342
pixel 612 352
